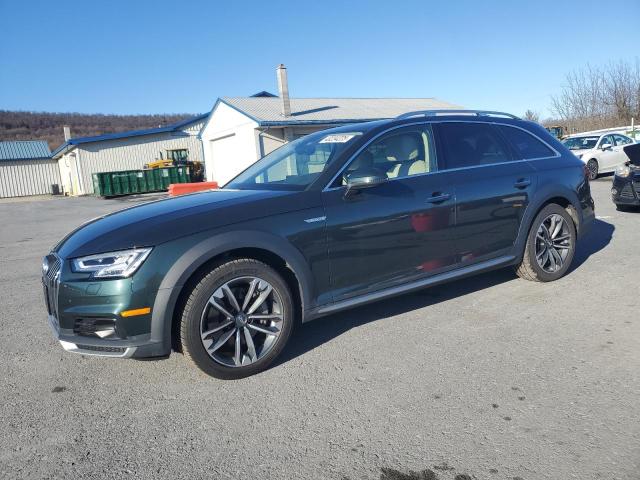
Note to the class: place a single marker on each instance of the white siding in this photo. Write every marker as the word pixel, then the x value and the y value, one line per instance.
pixel 229 142
pixel 129 153
pixel 20 178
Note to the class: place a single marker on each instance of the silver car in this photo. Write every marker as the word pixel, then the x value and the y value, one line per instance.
pixel 602 153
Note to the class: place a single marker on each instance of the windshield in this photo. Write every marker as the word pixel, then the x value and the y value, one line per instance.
pixel 581 143
pixel 295 165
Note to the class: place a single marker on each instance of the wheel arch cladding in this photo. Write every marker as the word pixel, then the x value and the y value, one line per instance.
pixel 565 198
pixel 274 251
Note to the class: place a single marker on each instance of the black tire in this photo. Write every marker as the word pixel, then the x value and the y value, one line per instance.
pixel 190 327
pixel 593 167
pixel 529 268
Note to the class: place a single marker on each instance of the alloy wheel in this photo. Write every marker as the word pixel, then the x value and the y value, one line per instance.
pixel 553 243
pixel 242 321
pixel 593 169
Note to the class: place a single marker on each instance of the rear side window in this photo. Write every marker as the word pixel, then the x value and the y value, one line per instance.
pixel 526 145
pixel 622 140
pixel 469 144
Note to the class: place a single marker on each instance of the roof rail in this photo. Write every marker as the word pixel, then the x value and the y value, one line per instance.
pixel 434 113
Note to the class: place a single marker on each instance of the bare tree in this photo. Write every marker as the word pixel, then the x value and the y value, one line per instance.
pixel 532 116
pixel 599 97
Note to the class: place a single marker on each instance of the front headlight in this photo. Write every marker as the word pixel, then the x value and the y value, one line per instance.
pixel 120 264
pixel 623 171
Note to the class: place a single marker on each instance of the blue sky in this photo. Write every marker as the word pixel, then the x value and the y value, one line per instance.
pixel 169 56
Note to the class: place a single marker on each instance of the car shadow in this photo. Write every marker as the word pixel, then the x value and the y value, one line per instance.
pixel 313 334
pixel 595 240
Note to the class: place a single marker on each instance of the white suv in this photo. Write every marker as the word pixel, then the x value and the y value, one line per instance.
pixel 601 152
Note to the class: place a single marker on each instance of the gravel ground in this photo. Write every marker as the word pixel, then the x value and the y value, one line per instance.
pixel 488 378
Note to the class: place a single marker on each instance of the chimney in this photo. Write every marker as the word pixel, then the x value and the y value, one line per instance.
pixel 67 132
pixel 283 89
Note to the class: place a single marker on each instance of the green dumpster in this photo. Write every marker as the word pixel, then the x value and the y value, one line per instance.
pixel 150 180
pixel 165 178
pixel 183 175
pixel 102 184
pixel 126 182
pixel 119 186
pixel 134 183
pixel 142 181
pixel 173 175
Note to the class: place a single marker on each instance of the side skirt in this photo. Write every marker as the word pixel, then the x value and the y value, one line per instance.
pixel 400 289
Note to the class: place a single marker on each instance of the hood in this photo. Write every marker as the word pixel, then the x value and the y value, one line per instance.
pixel 158 222
pixel 633 153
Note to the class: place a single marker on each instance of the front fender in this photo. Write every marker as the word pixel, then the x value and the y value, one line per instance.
pixel 200 253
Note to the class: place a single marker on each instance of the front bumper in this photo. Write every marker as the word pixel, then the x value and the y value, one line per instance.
pixel 626 191
pixel 85 316
pixel 141 347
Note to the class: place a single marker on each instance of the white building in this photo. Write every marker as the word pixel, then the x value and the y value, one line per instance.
pixel 26 169
pixel 79 158
pixel 241 130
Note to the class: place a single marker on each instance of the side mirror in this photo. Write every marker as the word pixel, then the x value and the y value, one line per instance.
pixel 605 146
pixel 360 179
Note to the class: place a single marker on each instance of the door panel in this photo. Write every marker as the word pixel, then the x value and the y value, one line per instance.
pixel 608 159
pixel 490 204
pixel 492 190
pixel 390 234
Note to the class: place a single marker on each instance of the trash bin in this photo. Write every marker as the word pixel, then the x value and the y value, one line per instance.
pixel 134 185
pixel 102 184
pixel 165 178
pixel 142 181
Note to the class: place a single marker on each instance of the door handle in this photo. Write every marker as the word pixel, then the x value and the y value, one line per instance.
pixel 439 198
pixel 522 183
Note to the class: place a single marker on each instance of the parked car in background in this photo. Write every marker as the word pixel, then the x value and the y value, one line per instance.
pixel 333 220
pixel 625 190
pixel 601 153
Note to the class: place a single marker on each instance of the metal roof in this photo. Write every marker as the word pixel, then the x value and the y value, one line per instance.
pixel 131 133
pixel 24 150
pixel 266 111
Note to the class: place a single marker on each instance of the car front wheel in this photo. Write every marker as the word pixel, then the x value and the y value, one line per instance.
pixel 237 319
pixel 550 247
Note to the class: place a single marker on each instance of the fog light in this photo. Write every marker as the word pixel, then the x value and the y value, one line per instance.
pixel 95 327
pixel 614 192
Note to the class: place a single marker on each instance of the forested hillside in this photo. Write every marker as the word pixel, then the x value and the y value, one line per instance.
pixel 17 125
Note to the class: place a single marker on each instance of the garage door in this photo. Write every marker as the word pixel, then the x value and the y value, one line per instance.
pixel 223 152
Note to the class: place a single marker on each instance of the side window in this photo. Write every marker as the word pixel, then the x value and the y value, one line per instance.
pixel 469 144
pixel 606 139
pixel 402 152
pixel 622 140
pixel 526 145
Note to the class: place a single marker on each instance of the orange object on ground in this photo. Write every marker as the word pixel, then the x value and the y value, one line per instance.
pixel 176 189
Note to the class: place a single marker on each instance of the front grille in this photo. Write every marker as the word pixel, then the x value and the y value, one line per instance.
pixel 627 192
pixel 636 186
pixel 102 349
pixel 51 283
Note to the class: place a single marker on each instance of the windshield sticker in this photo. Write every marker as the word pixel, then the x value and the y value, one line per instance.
pixel 338 137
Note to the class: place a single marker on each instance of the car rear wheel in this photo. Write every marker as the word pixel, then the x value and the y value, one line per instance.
pixel 237 319
pixel 592 166
pixel 550 247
